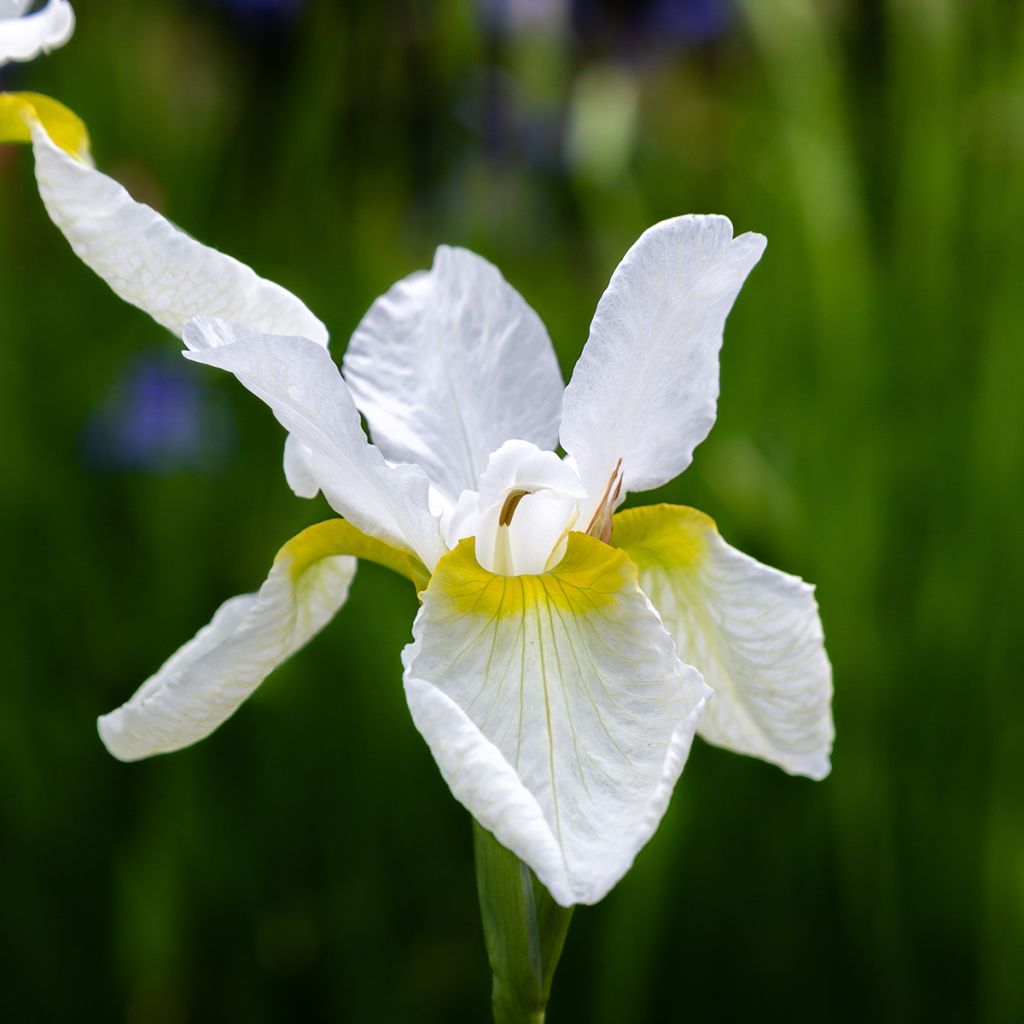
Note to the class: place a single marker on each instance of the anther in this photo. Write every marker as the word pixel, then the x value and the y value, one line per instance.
pixel 600 525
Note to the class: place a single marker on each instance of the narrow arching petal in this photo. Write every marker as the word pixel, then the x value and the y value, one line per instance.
pixel 145 259
pixel 450 363
pixel 149 262
pixel 754 633
pixel 205 682
pixel 302 385
pixel 645 387
pixel 556 708
pixel 26 36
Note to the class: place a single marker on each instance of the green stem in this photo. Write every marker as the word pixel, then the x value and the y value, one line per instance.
pixel 524 929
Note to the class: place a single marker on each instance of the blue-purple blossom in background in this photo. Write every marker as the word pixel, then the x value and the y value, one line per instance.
pixel 658 22
pixel 158 418
pixel 517 15
pixel 579 120
pixel 662 23
pixel 263 10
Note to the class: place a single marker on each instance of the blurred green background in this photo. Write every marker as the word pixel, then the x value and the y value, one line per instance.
pixel 307 862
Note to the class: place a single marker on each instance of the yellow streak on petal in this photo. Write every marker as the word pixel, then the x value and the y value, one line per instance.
pixel 339 537
pixel 663 534
pixel 19 109
pixel 589 577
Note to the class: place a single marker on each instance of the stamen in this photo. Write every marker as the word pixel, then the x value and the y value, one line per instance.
pixel 600 525
pixel 508 509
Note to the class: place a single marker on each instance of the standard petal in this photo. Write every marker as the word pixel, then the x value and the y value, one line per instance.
pixel 203 683
pixel 645 387
pixel 149 262
pixel 301 384
pixel 25 37
pixel 556 708
pixel 450 363
pixel 754 633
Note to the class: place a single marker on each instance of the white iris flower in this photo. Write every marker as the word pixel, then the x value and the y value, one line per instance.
pixel 23 36
pixel 564 653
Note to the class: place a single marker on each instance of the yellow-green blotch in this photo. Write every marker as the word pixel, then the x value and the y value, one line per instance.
pixel 67 130
pixel 588 578
pixel 340 537
pixel 663 535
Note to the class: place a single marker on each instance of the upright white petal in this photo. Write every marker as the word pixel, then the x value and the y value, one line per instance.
pixel 645 387
pixel 556 708
pixel 754 633
pixel 450 363
pixel 301 384
pixel 152 264
pixel 203 684
pixel 23 37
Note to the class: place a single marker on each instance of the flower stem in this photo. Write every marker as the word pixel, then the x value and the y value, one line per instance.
pixel 524 929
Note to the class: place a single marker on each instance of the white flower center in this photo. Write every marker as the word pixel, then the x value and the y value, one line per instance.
pixel 521 517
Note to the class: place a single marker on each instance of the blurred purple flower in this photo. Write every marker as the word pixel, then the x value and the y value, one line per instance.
pixel 516 15
pixel 264 12
pixel 698 21
pixel 519 124
pixel 157 418
pixel 653 22
pixel 286 7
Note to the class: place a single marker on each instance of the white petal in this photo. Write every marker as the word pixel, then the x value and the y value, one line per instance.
pixel 754 633
pixel 23 38
pixel 556 708
pixel 302 385
pixel 298 468
pixel 14 8
pixel 204 682
pixel 645 387
pixel 450 363
pixel 152 264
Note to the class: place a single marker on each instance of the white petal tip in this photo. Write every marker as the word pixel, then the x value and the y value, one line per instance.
pixel 815 768
pixel 112 735
pixel 754 242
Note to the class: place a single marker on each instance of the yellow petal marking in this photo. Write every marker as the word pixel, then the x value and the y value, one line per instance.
pixel 661 535
pixel 589 577
pixel 19 109
pixel 340 537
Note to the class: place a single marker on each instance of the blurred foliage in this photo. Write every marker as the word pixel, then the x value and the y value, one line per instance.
pixel 307 862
